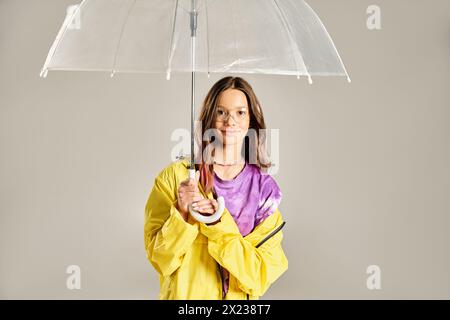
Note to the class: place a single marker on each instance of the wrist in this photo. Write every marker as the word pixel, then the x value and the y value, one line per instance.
pixel 184 214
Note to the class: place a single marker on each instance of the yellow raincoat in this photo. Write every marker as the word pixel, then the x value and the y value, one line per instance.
pixel 187 254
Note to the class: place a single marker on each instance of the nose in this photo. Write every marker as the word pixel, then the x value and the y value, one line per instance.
pixel 230 116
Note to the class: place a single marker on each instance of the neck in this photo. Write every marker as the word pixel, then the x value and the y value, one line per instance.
pixel 229 154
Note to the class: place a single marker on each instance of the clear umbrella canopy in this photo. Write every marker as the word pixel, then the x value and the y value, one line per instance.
pixel 212 36
pixel 232 36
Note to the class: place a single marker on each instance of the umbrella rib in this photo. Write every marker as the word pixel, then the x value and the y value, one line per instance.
pixel 207 37
pixel 293 43
pixel 235 38
pixel 169 59
pixel 120 37
pixel 60 35
pixel 207 33
pixel 331 40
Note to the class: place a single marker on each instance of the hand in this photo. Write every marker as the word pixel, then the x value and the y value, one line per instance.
pixel 206 206
pixel 188 192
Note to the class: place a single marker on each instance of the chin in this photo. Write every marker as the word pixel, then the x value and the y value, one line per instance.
pixel 232 140
pixel 230 143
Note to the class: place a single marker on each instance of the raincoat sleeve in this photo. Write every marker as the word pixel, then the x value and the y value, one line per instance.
pixel 255 267
pixel 167 235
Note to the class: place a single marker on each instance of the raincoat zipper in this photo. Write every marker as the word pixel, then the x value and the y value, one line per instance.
pixel 267 238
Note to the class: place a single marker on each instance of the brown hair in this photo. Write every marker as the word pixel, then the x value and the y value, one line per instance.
pixel 207 118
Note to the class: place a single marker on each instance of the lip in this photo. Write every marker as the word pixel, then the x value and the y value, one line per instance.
pixel 230 131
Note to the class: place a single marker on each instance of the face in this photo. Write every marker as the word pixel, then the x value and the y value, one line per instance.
pixel 232 116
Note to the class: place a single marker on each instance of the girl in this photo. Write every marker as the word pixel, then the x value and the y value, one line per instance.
pixel 240 255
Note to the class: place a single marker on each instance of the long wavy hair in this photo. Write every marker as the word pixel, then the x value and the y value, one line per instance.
pixel 207 119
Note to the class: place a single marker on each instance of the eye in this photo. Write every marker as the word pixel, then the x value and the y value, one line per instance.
pixel 242 113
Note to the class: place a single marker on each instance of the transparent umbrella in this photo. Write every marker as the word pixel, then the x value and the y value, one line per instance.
pixel 284 37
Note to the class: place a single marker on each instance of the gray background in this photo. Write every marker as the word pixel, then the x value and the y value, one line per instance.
pixel 364 167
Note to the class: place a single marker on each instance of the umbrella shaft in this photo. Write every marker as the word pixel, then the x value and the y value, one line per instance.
pixel 193 23
pixel 192 100
pixel 193 20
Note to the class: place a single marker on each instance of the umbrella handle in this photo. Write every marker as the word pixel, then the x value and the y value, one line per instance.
pixel 206 219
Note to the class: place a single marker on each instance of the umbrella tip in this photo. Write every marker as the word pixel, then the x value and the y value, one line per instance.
pixel 348 79
pixel 43 73
pixel 168 75
pixel 112 73
pixel 209 74
pixel 310 79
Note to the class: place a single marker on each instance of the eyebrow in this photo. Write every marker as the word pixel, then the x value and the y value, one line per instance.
pixel 239 107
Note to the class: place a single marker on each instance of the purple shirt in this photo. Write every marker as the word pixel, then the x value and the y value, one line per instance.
pixel 250 198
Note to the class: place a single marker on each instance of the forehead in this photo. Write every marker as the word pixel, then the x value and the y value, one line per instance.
pixel 232 99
